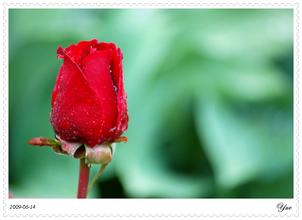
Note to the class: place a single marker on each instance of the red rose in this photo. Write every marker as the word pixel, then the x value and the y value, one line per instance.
pixel 89 103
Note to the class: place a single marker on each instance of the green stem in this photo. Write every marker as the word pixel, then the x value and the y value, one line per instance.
pixel 97 175
pixel 83 179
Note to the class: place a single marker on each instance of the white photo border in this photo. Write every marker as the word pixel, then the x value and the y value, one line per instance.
pixel 111 208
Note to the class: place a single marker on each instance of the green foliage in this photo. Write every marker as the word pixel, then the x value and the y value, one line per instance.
pixel 210 96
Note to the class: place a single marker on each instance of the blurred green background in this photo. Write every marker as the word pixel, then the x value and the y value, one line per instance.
pixel 210 96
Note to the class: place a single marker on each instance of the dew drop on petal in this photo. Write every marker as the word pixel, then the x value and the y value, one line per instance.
pixel 115 88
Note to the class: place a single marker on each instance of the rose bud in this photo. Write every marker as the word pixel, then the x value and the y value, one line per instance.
pixel 88 102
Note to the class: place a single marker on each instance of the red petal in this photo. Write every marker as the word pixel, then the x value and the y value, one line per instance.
pixel 122 116
pixel 96 69
pixel 89 101
pixel 75 106
pixel 77 52
pixel 117 75
pixel 55 90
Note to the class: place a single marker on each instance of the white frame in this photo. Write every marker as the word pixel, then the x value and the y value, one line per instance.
pixel 112 208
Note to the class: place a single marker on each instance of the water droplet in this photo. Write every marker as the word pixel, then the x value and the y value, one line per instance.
pixel 115 88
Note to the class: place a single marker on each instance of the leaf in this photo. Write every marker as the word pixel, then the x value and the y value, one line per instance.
pixel 243 148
